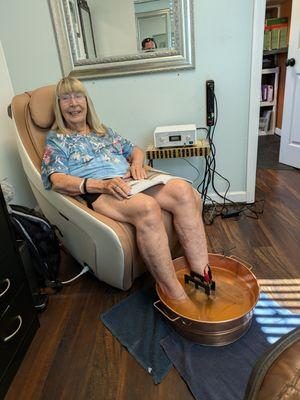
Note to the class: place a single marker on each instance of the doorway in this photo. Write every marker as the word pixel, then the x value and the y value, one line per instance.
pixel 276 34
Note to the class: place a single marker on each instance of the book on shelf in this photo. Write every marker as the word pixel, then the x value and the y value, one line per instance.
pixel 270 93
pixel 267 93
pixel 275 36
pixel 276 21
pixel 264 121
pixel 262 125
pixel 267 40
pixel 283 37
pixel 154 178
pixel 264 92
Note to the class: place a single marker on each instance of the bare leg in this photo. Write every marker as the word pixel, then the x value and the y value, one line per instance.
pixel 178 197
pixel 144 213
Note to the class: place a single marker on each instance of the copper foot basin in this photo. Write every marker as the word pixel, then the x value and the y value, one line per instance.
pixel 218 319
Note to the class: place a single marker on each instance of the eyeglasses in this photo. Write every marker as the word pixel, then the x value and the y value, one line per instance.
pixel 66 98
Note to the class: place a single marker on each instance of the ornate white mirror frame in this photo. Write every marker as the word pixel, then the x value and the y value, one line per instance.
pixel 180 56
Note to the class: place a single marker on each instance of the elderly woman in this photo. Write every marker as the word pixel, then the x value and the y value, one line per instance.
pixel 83 157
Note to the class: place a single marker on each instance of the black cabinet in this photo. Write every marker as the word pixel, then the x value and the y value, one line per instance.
pixel 18 319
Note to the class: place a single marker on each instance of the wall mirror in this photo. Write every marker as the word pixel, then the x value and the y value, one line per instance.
pixel 98 38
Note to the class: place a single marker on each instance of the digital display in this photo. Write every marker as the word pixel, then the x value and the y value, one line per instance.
pixel 174 138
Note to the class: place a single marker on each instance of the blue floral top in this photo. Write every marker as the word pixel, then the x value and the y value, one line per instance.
pixel 86 156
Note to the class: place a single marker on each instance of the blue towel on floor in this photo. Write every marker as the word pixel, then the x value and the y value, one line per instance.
pixel 214 373
pixel 139 327
pixel 222 373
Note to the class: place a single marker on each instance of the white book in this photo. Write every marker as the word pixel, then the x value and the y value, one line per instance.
pixel 154 179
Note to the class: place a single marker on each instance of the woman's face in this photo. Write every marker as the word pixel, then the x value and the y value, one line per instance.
pixel 74 109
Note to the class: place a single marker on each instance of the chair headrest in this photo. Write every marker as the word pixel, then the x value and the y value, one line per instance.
pixel 41 106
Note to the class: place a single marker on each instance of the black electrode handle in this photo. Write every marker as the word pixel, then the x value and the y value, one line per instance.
pixel 290 62
pixel 210 103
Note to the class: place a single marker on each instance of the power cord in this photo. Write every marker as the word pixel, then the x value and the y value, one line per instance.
pixel 212 208
pixel 84 270
pixel 193 166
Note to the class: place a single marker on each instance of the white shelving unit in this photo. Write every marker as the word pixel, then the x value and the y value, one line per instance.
pixel 272 105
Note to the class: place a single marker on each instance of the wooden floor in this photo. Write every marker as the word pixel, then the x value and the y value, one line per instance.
pixel 74 357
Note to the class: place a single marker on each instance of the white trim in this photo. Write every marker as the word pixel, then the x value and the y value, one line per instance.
pixel 254 103
pixel 237 197
pixel 278 131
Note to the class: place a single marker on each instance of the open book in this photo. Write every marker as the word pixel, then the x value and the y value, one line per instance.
pixel 154 178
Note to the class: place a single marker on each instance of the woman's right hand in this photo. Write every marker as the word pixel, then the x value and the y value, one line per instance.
pixel 117 188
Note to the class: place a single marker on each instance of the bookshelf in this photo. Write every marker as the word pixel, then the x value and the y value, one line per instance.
pixel 268 104
pixel 277 21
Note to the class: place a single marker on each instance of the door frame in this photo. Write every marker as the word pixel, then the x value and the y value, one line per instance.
pixel 254 96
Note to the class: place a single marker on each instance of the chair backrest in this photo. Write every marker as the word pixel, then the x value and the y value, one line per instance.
pixel 34 116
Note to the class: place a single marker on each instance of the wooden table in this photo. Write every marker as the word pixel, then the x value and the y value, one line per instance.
pixel 200 150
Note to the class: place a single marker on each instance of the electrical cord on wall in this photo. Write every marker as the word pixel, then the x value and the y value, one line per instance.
pixel 195 168
pixel 212 208
pixel 209 177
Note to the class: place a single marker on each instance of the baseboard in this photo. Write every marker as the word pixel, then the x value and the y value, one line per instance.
pixel 278 131
pixel 262 133
pixel 237 197
pixel 268 133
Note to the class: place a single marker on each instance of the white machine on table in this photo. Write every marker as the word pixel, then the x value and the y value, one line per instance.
pixel 175 135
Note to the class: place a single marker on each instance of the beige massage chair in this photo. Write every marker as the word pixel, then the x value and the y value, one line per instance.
pixel 106 246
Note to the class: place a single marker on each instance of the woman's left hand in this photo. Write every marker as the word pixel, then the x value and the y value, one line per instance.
pixel 136 171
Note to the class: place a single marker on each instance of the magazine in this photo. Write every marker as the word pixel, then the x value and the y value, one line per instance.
pixel 154 178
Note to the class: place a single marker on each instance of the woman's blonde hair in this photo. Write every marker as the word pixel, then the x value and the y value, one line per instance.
pixel 68 85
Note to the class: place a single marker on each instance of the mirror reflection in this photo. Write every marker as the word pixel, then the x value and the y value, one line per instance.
pixel 109 28
pixel 98 38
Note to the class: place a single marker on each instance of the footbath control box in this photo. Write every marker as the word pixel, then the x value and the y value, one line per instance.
pixel 175 136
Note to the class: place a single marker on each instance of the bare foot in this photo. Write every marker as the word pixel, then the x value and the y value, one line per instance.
pixel 174 292
pixel 185 307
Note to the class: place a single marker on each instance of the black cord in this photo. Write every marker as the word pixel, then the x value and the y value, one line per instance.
pixel 210 169
pixel 214 209
pixel 202 128
pixel 213 149
pixel 193 166
pixel 253 209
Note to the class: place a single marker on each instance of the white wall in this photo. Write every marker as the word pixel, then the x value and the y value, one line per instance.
pixel 151 6
pixel 135 105
pixel 153 26
pixel 29 43
pixel 114 27
pixel 10 163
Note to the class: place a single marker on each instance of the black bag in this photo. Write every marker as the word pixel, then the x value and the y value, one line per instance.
pixel 42 241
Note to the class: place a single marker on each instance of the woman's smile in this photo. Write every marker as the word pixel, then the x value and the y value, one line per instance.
pixel 74 114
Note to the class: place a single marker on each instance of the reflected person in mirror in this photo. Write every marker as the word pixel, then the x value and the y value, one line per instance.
pixel 85 158
pixel 149 44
